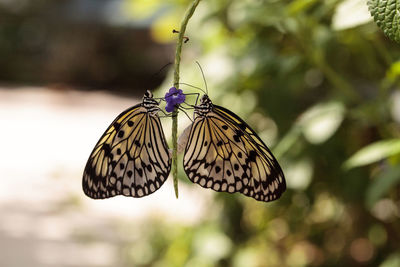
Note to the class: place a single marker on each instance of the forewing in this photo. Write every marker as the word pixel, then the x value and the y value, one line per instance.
pixel 223 153
pixel 131 158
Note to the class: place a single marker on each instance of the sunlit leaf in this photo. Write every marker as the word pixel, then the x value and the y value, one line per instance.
pixel 321 121
pixel 299 174
pixel 373 153
pixel 382 184
pixel 394 71
pixel 349 14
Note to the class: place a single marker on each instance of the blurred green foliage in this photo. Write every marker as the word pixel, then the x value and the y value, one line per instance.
pixel 326 99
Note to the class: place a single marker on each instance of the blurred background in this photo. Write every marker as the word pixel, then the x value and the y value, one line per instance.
pixel 317 80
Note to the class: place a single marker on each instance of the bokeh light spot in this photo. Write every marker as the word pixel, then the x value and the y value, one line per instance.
pixel 377 234
pixel 385 210
pixel 361 250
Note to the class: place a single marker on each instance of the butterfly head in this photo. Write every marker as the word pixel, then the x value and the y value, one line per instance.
pixel 204 107
pixel 205 100
pixel 149 102
pixel 148 94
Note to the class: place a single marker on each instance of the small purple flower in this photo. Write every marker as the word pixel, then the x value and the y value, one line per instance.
pixel 174 97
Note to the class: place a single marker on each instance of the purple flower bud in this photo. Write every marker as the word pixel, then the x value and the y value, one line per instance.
pixel 169 107
pixel 173 98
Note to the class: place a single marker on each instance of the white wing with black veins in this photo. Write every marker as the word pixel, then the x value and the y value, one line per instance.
pixel 223 153
pixel 130 159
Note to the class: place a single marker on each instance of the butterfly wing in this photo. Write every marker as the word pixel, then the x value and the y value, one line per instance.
pixel 131 158
pixel 223 153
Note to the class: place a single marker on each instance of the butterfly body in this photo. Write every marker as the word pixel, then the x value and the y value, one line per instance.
pixel 131 158
pixel 223 153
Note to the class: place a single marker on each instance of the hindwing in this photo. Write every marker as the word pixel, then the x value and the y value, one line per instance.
pixel 223 153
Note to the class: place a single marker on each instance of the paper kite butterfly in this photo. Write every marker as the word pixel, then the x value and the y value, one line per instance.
pixel 131 158
pixel 223 153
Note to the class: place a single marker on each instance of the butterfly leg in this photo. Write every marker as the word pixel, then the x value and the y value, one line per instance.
pixel 183 110
pixel 195 87
pixel 166 115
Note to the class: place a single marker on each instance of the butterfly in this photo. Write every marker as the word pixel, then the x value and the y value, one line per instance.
pixel 131 158
pixel 223 153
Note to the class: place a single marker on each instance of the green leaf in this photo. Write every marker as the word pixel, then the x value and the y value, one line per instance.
pixel 300 5
pixel 386 14
pixel 373 153
pixel 382 184
pixel 288 141
pixel 392 261
pixel 394 71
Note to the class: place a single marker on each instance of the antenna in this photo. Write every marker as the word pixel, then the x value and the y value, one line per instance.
pixel 204 78
pixel 198 88
pixel 158 72
pixel 150 80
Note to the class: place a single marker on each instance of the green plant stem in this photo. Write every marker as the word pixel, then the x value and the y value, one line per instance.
pixel 182 30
